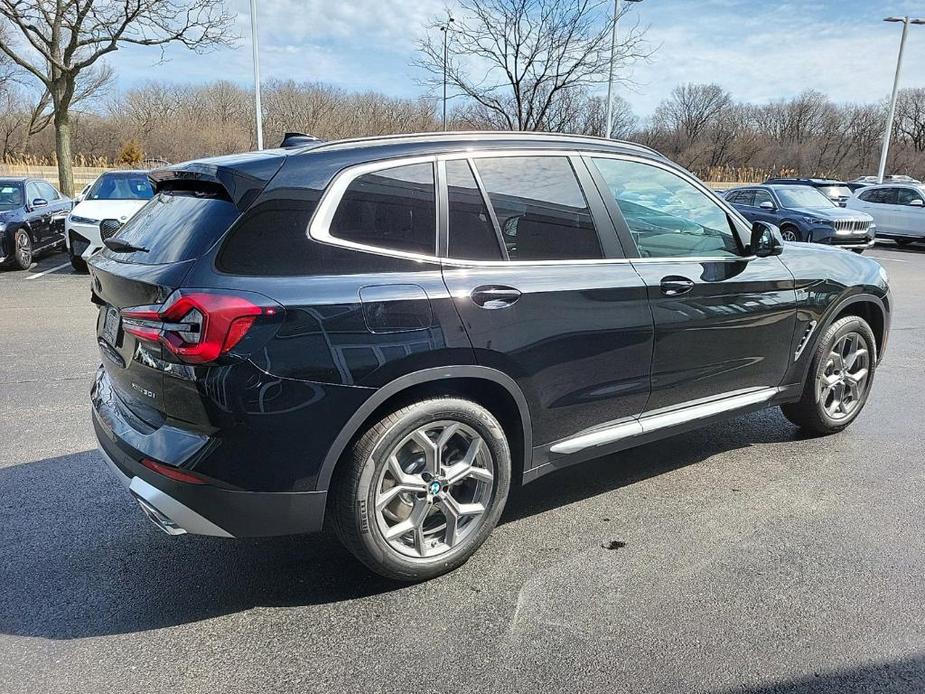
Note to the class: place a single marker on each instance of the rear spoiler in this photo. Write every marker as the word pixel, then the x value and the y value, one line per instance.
pixel 240 178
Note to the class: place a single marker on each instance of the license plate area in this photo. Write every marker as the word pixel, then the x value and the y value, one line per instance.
pixel 112 322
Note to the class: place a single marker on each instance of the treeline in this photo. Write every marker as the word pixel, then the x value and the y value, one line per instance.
pixel 701 126
pixel 705 129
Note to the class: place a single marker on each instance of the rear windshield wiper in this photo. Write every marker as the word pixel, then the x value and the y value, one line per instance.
pixel 120 246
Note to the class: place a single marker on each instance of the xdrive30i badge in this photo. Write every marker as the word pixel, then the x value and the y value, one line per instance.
pixel 144 391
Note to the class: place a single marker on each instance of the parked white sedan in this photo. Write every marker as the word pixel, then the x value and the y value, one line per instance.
pixel 109 203
pixel 898 210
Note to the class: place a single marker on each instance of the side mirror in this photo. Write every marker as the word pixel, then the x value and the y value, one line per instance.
pixel 918 202
pixel 767 205
pixel 766 240
pixel 39 202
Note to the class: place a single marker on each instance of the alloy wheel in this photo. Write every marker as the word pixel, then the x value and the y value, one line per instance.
pixel 23 249
pixel 434 490
pixel 789 235
pixel 843 381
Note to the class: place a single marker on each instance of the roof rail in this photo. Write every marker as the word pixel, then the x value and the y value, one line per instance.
pixel 486 134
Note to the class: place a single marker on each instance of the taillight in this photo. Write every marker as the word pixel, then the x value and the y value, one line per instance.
pixel 197 326
pixel 173 473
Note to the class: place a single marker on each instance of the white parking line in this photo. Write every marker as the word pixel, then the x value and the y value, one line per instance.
pixel 45 272
pixel 892 260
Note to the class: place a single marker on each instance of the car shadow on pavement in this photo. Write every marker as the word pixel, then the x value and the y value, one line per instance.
pixel 611 472
pixel 906 676
pixel 78 559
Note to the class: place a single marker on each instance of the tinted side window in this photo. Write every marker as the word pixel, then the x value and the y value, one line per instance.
pixel 540 208
pixel 762 196
pixel 666 215
pixel 906 195
pixel 472 235
pixel 746 197
pixel 888 196
pixel 47 191
pixel 393 208
pixel 32 192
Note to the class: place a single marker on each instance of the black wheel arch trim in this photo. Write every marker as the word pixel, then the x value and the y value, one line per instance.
pixel 416 378
pixel 829 318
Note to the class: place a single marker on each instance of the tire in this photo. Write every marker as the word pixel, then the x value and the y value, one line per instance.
pixel 22 249
pixel 790 233
pixel 816 411
pixel 430 545
pixel 859 251
pixel 78 263
pixel 902 243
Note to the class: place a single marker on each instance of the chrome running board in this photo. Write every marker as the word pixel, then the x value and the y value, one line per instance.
pixel 661 419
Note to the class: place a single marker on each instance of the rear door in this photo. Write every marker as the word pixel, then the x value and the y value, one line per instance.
pixel 543 288
pixel 723 322
pixel 879 204
pixel 910 215
pixel 58 208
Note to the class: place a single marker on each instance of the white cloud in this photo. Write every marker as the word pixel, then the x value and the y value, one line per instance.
pixel 757 50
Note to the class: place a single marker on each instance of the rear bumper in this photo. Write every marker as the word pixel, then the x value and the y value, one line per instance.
pixel 198 509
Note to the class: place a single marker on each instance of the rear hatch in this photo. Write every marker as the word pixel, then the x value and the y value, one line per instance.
pixel 151 328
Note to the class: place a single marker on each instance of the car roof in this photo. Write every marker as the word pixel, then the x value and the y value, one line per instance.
pixel 806 181
pixel 895 184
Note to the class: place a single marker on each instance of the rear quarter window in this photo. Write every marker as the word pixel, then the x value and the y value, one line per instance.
pixel 175 226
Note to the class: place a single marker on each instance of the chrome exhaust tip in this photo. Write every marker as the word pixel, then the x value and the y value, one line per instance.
pixel 159 519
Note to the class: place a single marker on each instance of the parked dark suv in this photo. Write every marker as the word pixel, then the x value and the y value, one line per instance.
pixel 389 333
pixel 804 214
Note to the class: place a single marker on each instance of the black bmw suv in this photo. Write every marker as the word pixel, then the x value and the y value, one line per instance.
pixel 386 334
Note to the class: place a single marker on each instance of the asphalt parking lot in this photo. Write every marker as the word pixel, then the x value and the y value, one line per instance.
pixel 755 560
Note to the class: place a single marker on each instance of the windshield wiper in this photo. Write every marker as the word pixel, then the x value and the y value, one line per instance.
pixel 120 246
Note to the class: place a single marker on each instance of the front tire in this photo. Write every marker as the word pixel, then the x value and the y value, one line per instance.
pixel 839 378
pixel 790 233
pixel 902 243
pixel 22 249
pixel 422 488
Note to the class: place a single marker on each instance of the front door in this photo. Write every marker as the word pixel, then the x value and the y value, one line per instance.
pixel 39 217
pixel 724 323
pixel 540 282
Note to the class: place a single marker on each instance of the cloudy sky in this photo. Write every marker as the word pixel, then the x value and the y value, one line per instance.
pixel 757 49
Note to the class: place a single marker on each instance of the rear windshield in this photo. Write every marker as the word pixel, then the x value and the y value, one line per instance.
pixel 121 186
pixel 175 226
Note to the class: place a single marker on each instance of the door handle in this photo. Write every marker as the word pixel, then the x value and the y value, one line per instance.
pixel 494 296
pixel 673 285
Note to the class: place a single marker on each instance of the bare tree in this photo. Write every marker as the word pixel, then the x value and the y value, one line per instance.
pixel 513 60
pixel 59 42
pixel 910 117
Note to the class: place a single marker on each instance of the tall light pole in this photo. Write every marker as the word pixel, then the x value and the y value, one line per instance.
pixel 613 60
pixel 257 107
pixel 888 134
pixel 445 28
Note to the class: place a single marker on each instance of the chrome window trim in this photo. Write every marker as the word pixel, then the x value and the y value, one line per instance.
pixel 319 225
pixel 319 228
